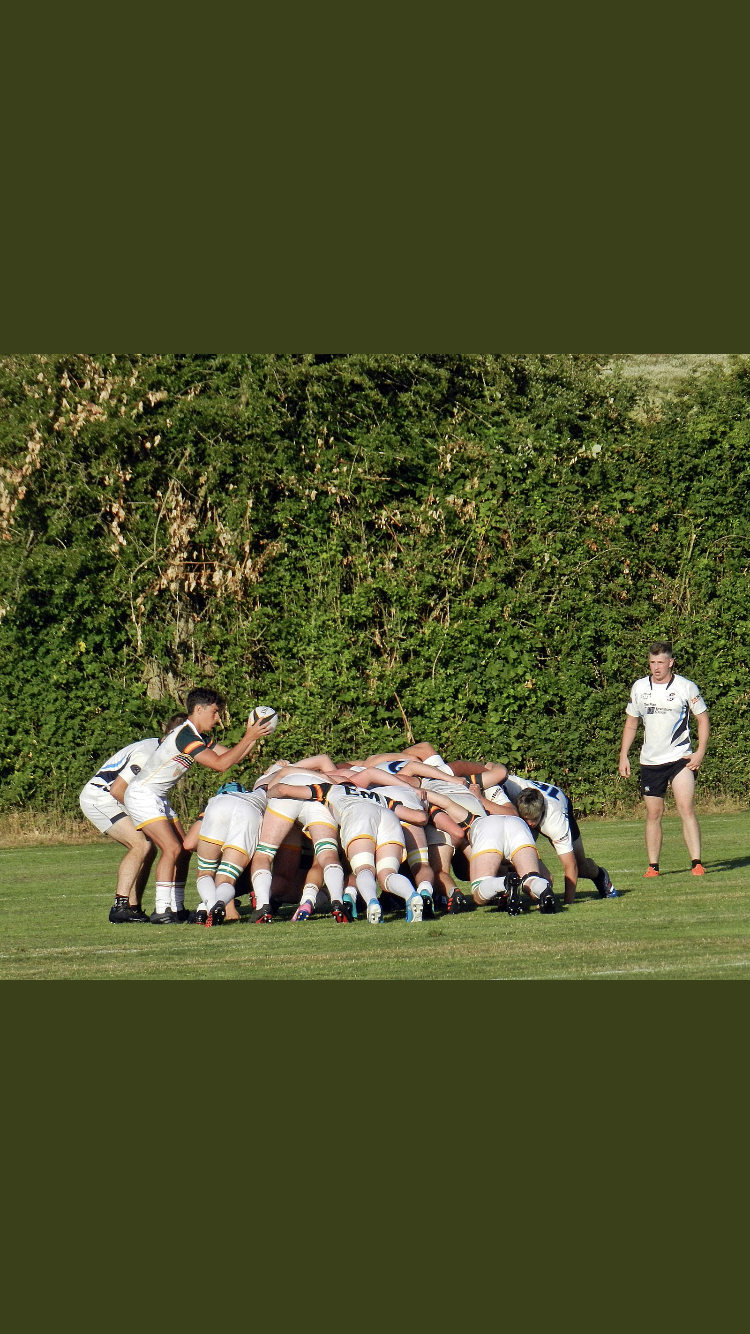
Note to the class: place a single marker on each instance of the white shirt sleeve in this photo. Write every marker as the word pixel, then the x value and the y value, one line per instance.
pixel 556 827
pixel 695 699
pixel 137 759
pixel 632 707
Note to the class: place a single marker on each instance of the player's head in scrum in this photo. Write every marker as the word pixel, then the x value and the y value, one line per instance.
pixel 530 806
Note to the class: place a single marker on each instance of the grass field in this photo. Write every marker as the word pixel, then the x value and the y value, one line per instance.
pixel 54 904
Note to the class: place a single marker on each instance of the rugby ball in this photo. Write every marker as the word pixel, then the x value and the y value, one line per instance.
pixel 264 714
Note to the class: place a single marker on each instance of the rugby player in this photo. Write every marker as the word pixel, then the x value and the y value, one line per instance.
pixel 101 803
pixel 227 840
pixel 546 810
pixel 422 763
pixel 403 792
pixel 372 838
pixel 288 802
pixel 495 840
pixel 664 702
pixel 146 798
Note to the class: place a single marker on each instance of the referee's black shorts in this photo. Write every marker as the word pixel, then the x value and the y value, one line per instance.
pixel 655 778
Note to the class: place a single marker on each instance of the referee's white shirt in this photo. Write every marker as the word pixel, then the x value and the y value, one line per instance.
pixel 665 710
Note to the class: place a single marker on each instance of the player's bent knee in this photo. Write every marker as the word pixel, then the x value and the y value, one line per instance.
pixel 326 847
pixel 229 871
pixel 418 857
pixel 362 861
pixel 386 865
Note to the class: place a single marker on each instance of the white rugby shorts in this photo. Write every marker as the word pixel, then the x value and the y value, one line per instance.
pixel 503 834
pixel 363 819
pixel 144 806
pixel 232 823
pixel 304 812
pixel 100 808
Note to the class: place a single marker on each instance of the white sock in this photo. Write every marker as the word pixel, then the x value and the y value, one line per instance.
pixel 398 884
pixel 489 886
pixel 334 881
pixel 366 884
pixel 205 888
pixel 178 896
pixel 309 895
pixel 536 885
pixel 224 892
pixel 163 895
pixel 262 888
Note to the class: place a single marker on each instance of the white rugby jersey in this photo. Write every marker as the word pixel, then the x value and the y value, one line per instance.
pixel 171 760
pixel 239 803
pixel 126 763
pixel 342 796
pixel 267 777
pixel 407 796
pixel 555 823
pixel 665 710
pixel 457 790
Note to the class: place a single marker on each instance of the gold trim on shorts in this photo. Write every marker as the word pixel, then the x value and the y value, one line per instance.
pixel 325 824
pixel 356 839
pixel 280 814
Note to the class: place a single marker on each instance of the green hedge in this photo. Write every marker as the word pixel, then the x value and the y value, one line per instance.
pixel 481 544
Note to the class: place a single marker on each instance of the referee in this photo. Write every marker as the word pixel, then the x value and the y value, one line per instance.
pixel 665 701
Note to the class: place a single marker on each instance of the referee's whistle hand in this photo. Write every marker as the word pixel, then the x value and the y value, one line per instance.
pixel 624 767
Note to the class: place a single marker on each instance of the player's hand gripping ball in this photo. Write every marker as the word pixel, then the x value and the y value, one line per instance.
pixel 264 714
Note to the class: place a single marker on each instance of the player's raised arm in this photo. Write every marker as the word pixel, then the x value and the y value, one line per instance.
pixel 220 763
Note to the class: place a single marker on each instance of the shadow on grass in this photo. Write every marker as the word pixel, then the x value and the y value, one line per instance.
pixel 593 896
pixel 729 864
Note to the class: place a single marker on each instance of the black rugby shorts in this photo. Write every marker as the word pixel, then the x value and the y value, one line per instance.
pixel 655 778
